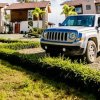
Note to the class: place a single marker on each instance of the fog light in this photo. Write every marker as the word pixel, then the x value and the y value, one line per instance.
pixel 64 49
pixel 46 47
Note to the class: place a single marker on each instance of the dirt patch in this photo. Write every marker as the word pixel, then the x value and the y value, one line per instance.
pixel 96 64
pixel 31 51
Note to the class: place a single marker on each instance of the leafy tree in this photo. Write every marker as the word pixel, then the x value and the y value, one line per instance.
pixel 68 10
pixel 37 12
pixel 22 1
pixel 7 17
pixel 27 1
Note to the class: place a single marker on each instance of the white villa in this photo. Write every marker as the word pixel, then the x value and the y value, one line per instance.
pixel 21 15
pixel 85 6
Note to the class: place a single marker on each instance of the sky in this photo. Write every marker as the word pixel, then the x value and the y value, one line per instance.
pixel 7 1
pixel 56 9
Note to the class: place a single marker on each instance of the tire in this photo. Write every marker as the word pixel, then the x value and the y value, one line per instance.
pixel 91 52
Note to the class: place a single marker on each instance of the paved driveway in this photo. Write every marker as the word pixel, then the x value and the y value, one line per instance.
pixel 18 37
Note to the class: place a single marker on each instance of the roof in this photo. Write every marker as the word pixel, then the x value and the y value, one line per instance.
pixel 3 5
pixel 97 1
pixel 76 2
pixel 73 3
pixel 41 4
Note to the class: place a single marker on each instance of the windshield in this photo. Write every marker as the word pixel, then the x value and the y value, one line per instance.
pixel 85 20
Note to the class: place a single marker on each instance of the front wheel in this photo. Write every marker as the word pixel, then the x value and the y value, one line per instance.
pixel 91 52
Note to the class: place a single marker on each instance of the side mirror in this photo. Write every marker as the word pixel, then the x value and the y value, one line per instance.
pixel 60 24
pixel 98 25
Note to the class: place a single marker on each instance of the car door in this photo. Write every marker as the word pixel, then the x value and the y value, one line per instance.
pixel 98 31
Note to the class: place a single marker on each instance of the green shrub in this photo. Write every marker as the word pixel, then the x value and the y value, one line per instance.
pixel 3 40
pixel 84 71
pixel 73 73
pixel 20 45
pixel 38 30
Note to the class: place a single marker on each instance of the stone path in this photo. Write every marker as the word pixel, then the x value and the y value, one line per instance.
pixel 32 51
pixel 18 37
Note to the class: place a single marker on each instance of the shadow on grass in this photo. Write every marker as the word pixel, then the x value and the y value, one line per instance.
pixel 35 69
pixel 58 85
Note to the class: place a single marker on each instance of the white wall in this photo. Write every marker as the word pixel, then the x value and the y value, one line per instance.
pixel 56 9
pixel 24 26
pixel 93 8
pixel 35 24
pixel 2 19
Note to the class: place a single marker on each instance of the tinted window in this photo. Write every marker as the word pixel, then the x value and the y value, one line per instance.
pixel 85 20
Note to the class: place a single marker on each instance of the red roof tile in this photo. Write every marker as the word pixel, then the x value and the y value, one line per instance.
pixel 41 4
pixel 97 1
pixel 73 3
pixel 3 5
pixel 77 2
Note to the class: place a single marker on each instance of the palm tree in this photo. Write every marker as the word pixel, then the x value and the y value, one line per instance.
pixel 37 12
pixel 27 1
pixel 68 10
pixel 7 19
pixel 21 1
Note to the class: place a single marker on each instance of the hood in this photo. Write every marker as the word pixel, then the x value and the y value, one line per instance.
pixel 81 29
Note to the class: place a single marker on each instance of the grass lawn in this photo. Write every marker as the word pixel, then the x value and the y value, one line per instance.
pixel 19 84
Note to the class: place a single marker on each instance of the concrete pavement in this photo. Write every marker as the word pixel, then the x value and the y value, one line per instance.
pixel 18 37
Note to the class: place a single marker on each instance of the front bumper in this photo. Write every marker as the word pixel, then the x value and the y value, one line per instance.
pixel 65 48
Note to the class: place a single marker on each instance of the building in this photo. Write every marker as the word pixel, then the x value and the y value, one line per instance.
pixel 21 15
pixel 2 16
pixel 85 6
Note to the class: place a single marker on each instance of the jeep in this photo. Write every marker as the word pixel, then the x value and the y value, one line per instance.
pixel 76 35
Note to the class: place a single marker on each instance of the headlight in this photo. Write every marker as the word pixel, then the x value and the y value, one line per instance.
pixel 45 34
pixel 72 36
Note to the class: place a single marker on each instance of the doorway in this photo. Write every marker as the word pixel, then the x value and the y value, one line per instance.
pixel 17 28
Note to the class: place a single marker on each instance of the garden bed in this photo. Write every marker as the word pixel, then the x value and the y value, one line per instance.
pixel 75 74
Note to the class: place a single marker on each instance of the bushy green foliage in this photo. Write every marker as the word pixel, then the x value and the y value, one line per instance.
pixel 3 40
pixel 79 74
pixel 84 71
pixel 19 84
pixel 63 69
pixel 20 45
pixel 35 32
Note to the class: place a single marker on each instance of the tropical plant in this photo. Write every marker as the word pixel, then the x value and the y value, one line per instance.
pixel 27 1
pixel 37 12
pixel 7 19
pixel 23 1
pixel 68 10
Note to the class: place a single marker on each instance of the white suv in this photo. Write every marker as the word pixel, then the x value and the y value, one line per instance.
pixel 77 35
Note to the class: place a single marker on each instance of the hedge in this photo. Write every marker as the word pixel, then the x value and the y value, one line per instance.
pixel 4 40
pixel 73 73
pixel 20 45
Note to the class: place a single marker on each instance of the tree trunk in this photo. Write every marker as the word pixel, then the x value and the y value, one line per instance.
pixel 38 23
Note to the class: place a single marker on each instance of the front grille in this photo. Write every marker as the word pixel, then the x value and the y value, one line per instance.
pixel 57 36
